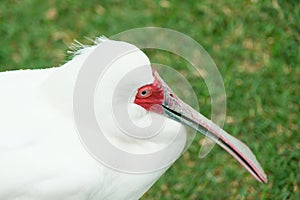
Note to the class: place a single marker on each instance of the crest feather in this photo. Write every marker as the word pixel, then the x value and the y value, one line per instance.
pixel 78 48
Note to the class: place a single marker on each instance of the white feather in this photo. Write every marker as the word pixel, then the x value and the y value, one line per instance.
pixel 41 156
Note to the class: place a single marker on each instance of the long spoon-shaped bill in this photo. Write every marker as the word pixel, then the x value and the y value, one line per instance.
pixel 176 109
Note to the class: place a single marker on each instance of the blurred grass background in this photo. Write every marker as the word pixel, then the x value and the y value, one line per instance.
pixel 255 45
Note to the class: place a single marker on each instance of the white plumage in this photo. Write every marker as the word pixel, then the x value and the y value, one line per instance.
pixel 41 156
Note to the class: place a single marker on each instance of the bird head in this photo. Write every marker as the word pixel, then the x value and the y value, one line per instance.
pixel 131 82
pixel 159 98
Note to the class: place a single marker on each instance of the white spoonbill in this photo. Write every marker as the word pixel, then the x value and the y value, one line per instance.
pixel 42 156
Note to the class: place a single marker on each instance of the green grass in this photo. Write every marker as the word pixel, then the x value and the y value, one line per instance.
pixel 256 46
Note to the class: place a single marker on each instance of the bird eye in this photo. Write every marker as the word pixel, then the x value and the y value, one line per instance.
pixel 145 93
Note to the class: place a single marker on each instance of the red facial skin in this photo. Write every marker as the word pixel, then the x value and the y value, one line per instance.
pixel 151 96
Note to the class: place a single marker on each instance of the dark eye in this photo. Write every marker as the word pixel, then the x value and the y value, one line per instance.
pixel 145 93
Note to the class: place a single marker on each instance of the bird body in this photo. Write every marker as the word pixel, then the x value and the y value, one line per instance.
pixel 41 155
